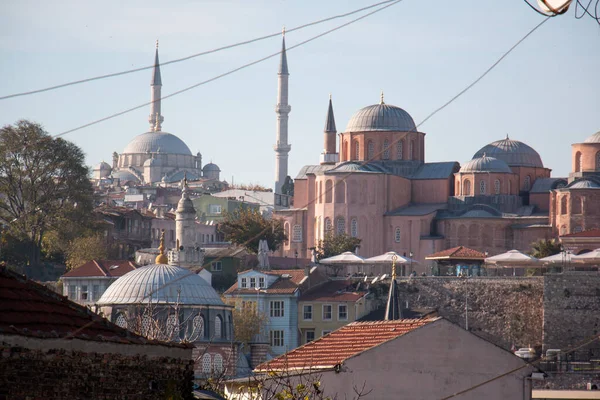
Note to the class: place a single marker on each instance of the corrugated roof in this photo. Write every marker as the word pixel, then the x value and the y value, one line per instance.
pixel 225 252
pixel 417 209
pixel 344 343
pixel 544 185
pixel 459 253
pixel 313 169
pixel 437 170
pixel 102 268
pixel 334 291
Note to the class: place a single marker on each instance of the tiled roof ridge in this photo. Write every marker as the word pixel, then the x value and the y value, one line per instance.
pixel 393 322
pixel 587 233
pixel 100 267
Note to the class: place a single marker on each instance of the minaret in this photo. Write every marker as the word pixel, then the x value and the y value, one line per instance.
pixel 329 155
pixel 282 148
pixel 185 217
pixel 155 119
pixel 393 309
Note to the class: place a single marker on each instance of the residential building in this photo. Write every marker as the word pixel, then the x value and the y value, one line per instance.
pixel 211 209
pixel 126 229
pixel 331 306
pixel 88 282
pixel 267 200
pixel 224 264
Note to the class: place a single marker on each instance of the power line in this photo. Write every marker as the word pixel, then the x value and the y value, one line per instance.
pixel 130 71
pixel 230 71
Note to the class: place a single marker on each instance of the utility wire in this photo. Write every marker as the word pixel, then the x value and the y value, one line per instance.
pixel 112 75
pixel 230 71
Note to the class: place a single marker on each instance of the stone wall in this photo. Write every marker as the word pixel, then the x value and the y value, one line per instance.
pixel 64 374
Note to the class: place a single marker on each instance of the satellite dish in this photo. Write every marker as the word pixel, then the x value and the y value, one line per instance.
pixel 554 6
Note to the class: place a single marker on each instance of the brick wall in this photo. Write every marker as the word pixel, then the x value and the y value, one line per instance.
pixel 63 374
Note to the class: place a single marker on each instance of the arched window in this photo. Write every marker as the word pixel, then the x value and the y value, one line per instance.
pixel 563 205
pixel 411 150
pixel 340 192
pixel 328 191
pixel 457 188
pixel 370 150
pixel 466 187
pixel 218 362
pixel 527 183
pixel 356 150
pixel 197 328
pixel 354 227
pixel 318 230
pixel 399 146
pixel 482 187
pixel 327 225
pixel 576 206
pixel 497 186
pixel 121 321
pixel 320 192
pixel 146 325
pixel 297 233
pixel 206 364
pixel 578 161
pixel 218 327
pixel 397 235
pixel 346 153
pixel 598 161
pixel 172 327
pixel 386 149
pixel 340 225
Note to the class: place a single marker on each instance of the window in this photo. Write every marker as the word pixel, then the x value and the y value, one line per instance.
pixel 354 227
pixel 481 187
pixel 214 209
pixel 253 282
pixel 276 308
pixel 399 149
pixel 342 312
pixel 328 191
pixel 172 326
pixel 297 233
pixel 563 205
pixel 466 187
pixel 84 292
pixel 95 292
pixel 397 235
pixel 497 186
pixel 121 321
pixel 310 336
pixel 72 292
pixel 527 183
pixel 307 312
pixel 327 225
pixel 261 282
pixel 578 161
pixel 216 266
pixel 340 192
pixel 356 150
pixel 244 283
pixel 341 225
pixel 206 364
pixel 576 206
pixel 577 229
pixel 218 327
pixel 197 327
pixel 411 150
pixel 218 363
pixel 386 149
pixel 327 312
pixel 598 161
pixel 370 150
pixel 325 333
pixel 276 338
pixel 146 325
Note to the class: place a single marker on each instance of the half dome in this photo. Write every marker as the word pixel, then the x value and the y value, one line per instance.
pixel 124 176
pixel 154 142
pixel 485 164
pixel 595 138
pixel 160 284
pixel 211 167
pixel 512 152
pixel 381 117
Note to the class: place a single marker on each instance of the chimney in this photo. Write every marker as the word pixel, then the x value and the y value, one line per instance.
pixel 307 275
pixel 258 353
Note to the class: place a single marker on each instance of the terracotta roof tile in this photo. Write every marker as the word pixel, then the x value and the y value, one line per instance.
pixel 102 268
pixel 588 233
pixel 340 345
pixel 334 291
pixel 460 252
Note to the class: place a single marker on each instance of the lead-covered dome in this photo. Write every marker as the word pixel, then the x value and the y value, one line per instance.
pixel 512 152
pixel 160 284
pixel 595 138
pixel 381 117
pixel 154 142
pixel 485 164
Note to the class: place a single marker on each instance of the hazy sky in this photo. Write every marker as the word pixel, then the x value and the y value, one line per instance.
pixel 420 53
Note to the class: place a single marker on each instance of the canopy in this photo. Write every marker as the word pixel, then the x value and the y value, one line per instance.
pixel 557 258
pixel 512 258
pixel 591 257
pixel 347 257
pixel 388 258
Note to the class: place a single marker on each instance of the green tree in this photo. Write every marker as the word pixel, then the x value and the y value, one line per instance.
pixel 44 184
pixel 86 248
pixel 544 248
pixel 334 244
pixel 246 227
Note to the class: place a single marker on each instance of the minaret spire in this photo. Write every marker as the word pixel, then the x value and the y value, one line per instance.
pixel 393 310
pixel 282 147
pixel 155 119
pixel 329 155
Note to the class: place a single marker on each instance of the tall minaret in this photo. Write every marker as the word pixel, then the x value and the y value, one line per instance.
pixel 282 148
pixel 330 154
pixel 185 217
pixel 155 118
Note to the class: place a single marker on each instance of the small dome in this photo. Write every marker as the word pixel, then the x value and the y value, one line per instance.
pixel 154 142
pixel 125 176
pixel 595 138
pixel 486 164
pixel 152 162
pixel 381 117
pixel 512 152
pixel 211 167
pixel 159 284
pixel 103 166
pixel 584 184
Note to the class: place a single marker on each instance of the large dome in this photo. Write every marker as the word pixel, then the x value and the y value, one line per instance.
pixel 512 152
pixel 153 142
pixel 381 117
pixel 159 284
pixel 486 164
pixel 595 138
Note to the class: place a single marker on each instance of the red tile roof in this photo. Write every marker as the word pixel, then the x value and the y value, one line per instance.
pixel 30 309
pixel 342 344
pixel 334 291
pixel 283 285
pixel 102 268
pixel 584 234
pixel 459 253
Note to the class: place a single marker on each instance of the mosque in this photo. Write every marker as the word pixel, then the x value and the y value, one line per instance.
pixel 156 156
pixel 374 183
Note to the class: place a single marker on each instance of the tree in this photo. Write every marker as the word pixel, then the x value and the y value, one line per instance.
pixel 44 185
pixel 247 323
pixel 86 248
pixel 544 248
pixel 334 244
pixel 246 227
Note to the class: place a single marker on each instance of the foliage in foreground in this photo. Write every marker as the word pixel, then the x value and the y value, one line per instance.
pixel 246 227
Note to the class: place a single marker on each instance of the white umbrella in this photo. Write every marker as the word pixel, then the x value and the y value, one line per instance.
pixel 347 257
pixel 591 257
pixel 512 258
pixel 263 254
pixel 388 258
pixel 557 258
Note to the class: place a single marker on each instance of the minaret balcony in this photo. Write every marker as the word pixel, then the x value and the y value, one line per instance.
pixel 283 108
pixel 330 158
pixel 282 148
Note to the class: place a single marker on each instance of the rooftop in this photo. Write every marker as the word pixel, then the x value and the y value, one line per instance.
pixel 460 253
pixel 289 284
pixel 102 268
pixel 335 291
pixel 591 233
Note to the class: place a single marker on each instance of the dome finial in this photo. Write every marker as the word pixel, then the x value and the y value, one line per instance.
pixel 507 138
pixel 157 43
pixel 381 99
pixel 283 31
pixel 161 258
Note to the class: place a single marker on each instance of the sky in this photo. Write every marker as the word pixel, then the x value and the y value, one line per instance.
pixel 421 54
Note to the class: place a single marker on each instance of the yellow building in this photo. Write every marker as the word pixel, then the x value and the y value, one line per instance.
pixel 329 307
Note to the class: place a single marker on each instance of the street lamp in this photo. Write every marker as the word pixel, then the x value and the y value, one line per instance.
pixel 296 255
pixel 410 254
